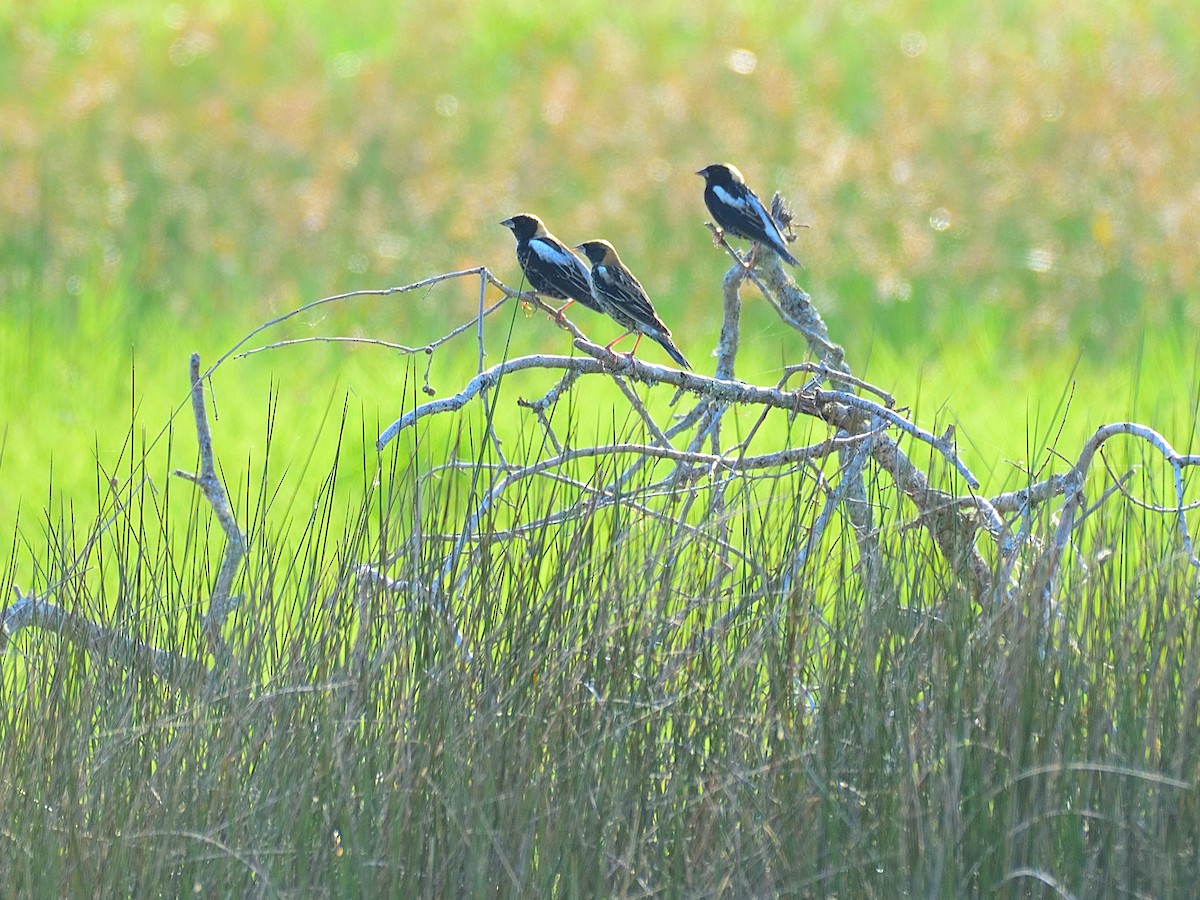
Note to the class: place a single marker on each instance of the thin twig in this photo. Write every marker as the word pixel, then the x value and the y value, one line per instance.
pixel 1077 476
pixel 334 339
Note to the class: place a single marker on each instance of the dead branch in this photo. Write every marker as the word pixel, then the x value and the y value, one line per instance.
pixel 605 362
pixel 866 432
pixel 101 641
pixel 1075 479
pixel 222 602
pixel 953 521
pixel 111 644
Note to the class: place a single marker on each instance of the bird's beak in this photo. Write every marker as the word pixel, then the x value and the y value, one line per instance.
pixel 507 223
pixel 700 171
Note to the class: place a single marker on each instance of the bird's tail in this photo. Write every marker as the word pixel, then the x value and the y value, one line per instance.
pixel 787 257
pixel 669 346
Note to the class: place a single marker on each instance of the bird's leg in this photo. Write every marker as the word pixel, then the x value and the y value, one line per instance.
pixel 562 309
pixel 609 345
pixel 635 345
pixel 749 264
pixel 718 234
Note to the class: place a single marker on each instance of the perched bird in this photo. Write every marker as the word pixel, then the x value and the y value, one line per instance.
pixel 623 298
pixel 551 268
pixel 738 210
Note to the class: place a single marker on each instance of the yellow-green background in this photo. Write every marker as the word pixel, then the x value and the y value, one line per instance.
pixel 1001 197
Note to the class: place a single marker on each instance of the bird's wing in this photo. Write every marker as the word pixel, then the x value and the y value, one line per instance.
pixel 561 264
pixel 752 217
pixel 629 293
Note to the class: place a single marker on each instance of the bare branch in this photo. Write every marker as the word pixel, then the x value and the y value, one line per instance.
pixel 1077 476
pixel 100 640
pixel 603 361
pixel 943 445
pixel 1034 495
pixel 222 602
pixel 110 643
pixel 480 382
pixel 953 520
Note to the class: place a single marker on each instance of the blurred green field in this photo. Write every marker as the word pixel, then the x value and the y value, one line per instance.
pixel 993 195
pixel 980 185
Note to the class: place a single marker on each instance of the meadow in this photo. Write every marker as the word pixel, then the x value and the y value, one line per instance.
pixel 1001 213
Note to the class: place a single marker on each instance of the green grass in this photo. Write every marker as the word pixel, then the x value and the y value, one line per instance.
pixel 170 178
pixel 598 740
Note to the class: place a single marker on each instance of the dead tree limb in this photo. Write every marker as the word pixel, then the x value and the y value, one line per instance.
pixel 953 521
pixel 864 418
pixel 222 602
pixel 111 644
pixel 1075 479
pixel 102 641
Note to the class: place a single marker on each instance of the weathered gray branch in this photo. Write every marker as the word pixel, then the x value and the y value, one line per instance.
pixel 222 602
pixel 112 644
pixel 954 521
pixel 854 416
pixel 102 641
pixel 1076 478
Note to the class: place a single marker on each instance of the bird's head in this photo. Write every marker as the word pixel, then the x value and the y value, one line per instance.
pixel 721 174
pixel 524 226
pixel 599 253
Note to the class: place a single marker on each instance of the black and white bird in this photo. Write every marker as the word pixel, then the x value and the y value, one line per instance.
pixel 549 266
pixel 623 297
pixel 738 210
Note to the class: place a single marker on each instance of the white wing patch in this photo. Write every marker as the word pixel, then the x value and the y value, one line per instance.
pixel 729 200
pixel 752 207
pixel 554 256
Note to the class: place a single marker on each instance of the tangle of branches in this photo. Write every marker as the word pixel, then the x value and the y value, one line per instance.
pixel 987 541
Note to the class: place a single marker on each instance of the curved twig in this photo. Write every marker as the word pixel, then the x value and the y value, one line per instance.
pixel 1074 481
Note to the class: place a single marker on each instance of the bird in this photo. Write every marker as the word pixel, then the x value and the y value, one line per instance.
pixel 551 268
pixel 738 210
pixel 624 299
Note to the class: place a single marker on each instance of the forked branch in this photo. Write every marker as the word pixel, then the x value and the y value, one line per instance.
pixel 863 419
pixel 112 644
